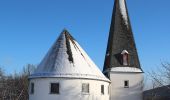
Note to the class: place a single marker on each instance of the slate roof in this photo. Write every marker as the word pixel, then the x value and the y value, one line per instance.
pixel 66 59
pixel 120 38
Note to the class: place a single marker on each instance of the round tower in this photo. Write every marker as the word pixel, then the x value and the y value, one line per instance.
pixel 67 73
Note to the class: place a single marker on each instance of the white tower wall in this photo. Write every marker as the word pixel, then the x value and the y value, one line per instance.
pixel 70 89
pixel 119 92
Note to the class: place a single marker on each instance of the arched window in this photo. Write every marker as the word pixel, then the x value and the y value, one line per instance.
pixel 125 57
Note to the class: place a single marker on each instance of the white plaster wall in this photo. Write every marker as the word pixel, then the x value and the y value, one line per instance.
pixel 134 92
pixel 70 89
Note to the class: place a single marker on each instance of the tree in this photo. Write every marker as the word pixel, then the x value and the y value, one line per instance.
pixel 15 86
pixel 2 73
pixel 2 77
pixel 161 77
pixel 160 80
pixel 24 83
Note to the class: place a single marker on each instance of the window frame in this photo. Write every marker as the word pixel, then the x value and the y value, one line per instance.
pixel 55 91
pixel 102 89
pixel 87 88
pixel 32 88
pixel 126 83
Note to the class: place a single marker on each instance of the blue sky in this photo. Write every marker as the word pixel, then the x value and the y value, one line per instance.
pixel 28 28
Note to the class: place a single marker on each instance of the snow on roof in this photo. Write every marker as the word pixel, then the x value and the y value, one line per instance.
pixel 125 51
pixel 67 59
pixel 126 69
pixel 123 11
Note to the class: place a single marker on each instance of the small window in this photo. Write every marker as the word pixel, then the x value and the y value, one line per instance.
pixel 108 89
pixel 32 88
pixel 102 89
pixel 85 88
pixel 54 88
pixel 126 84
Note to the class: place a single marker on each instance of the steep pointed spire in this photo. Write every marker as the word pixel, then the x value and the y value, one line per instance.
pixel 121 50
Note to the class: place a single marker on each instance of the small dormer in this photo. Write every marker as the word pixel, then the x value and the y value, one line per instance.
pixel 125 58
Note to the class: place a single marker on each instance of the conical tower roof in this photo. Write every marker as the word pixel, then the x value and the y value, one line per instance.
pixel 68 60
pixel 121 40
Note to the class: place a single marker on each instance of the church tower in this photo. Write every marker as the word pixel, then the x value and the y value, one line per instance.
pixel 122 64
